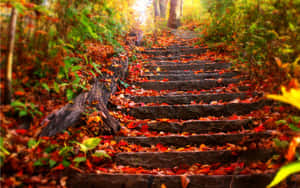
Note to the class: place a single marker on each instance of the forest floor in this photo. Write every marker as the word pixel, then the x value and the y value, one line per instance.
pixel 188 117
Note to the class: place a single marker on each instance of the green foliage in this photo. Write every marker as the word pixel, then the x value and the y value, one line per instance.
pixel 257 31
pixel 79 159
pixel 25 109
pixel 33 143
pixel 281 144
pixel 47 33
pixel 3 151
pixel 65 151
pixel 101 153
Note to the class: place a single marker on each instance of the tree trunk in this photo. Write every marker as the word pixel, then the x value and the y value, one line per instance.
pixel 163 8
pixel 181 8
pixel 174 17
pixel 156 9
pixel 9 63
pixel 97 97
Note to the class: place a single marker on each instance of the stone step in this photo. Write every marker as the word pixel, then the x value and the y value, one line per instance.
pixel 169 47
pixel 175 51
pixel 106 180
pixel 172 63
pixel 202 66
pixel 162 58
pixel 150 160
pixel 188 98
pixel 192 140
pixel 186 112
pixel 186 86
pixel 200 126
pixel 190 76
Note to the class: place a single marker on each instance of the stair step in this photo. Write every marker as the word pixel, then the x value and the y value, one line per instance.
pixel 194 111
pixel 169 47
pixel 150 160
pixel 172 63
pixel 179 57
pixel 190 76
pixel 105 180
pixel 176 51
pixel 202 66
pixel 184 85
pixel 200 126
pixel 188 98
pixel 192 140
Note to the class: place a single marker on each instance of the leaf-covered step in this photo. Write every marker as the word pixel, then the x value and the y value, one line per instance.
pixel 190 76
pixel 202 66
pixel 201 126
pixel 105 180
pixel 181 141
pixel 194 111
pixel 186 85
pixel 188 98
pixel 169 63
pixel 183 51
pixel 162 58
pixel 169 47
pixel 171 159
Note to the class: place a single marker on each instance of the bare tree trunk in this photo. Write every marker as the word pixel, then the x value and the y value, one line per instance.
pixel 156 9
pixel 174 17
pixel 181 8
pixel 163 8
pixel 9 63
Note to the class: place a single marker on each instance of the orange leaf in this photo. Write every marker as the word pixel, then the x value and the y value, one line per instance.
pixel 19 93
pixel 184 181
pixel 293 145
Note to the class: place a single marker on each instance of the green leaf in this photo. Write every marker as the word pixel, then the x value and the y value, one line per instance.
pixel 102 153
pixel 69 94
pixel 66 163
pixel 2 149
pixel 76 68
pixel 89 144
pixel 65 150
pixel 38 163
pixel 56 87
pixel 32 143
pixel 22 113
pixel 45 86
pixel 79 159
pixel 52 163
pixel 281 144
pixel 284 172
pixel 294 127
pixel 280 122
pixel 296 119
pixel 17 104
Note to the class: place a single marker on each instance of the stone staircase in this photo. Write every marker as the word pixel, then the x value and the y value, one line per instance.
pixel 196 89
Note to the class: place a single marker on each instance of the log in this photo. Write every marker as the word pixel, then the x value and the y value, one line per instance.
pixel 102 88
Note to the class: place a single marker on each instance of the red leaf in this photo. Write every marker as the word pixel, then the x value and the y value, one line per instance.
pixel 160 147
pixel 21 131
pixel 132 125
pixel 89 164
pixel 144 128
pixel 59 167
pixel 260 128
